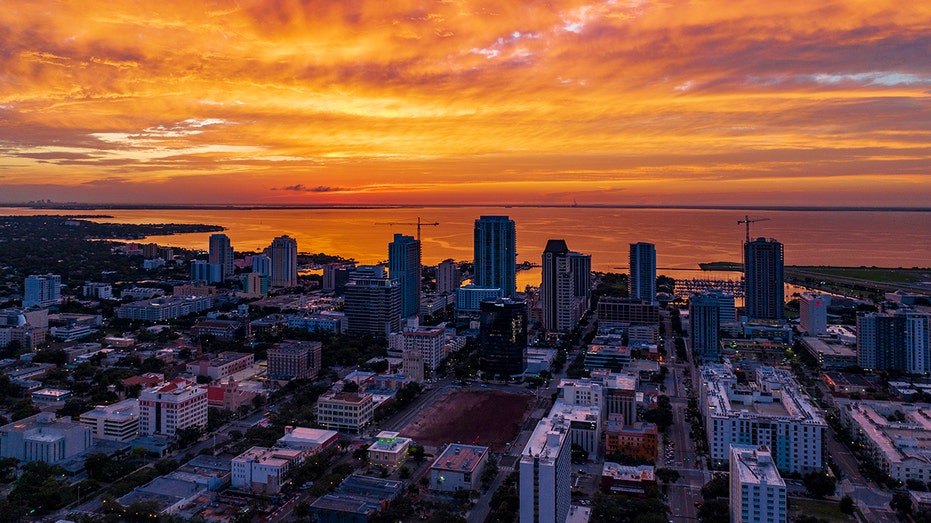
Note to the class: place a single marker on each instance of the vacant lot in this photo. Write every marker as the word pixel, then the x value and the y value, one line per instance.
pixel 482 417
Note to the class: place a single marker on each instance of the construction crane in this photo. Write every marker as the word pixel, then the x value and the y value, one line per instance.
pixel 418 223
pixel 748 221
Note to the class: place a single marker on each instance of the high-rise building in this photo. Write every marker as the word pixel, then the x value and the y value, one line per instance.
pixel 581 266
pixel 221 252
pixel 283 254
pixel 563 303
pixel 496 254
pixel 894 341
pixel 758 492
pixel 261 264
pixel 42 290
pixel 447 277
pixel 335 276
pixel 556 291
pixel 373 306
pixel 255 284
pixel 764 282
pixel 412 360
pixel 206 271
pixel 503 338
pixel 643 271
pixel 404 266
pixel 545 473
pixel 705 326
pixel 813 313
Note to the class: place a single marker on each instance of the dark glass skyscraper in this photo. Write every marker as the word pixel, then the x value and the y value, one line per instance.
pixel 643 271
pixel 404 266
pixel 764 282
pixel 496 254
pixel 503 337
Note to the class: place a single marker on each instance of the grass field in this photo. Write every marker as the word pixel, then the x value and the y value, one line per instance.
pixel 826 510
pixel 876 274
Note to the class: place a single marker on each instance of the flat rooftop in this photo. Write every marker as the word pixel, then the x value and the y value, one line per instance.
pixel 462 458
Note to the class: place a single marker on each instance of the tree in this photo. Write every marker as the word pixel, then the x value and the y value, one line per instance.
pixel 901 502
pixel 714 510
pixel 351 386
pixel 667 475
pixel 819 485
pixel 718 487
pixel 847 505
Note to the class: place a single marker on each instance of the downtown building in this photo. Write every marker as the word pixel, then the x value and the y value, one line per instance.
pixel 373 304
pixel 565 288
pixel 757 490
pixel 764 279
pixel 896 436
pixel 899 340
pixel 294 360
pixel 161 309
pixel 282 254
pixel 643 271
pixel 813 313
pixel 705 326
pixel 503 338
pixel 221 253
pixel 771 410
pixel 116 422
pixel 447 277
pixel 495 249
pixel 545 473
pixel 345 411
pixel 176 405
pixel 430 342
pixel 404 266
pixel 41 290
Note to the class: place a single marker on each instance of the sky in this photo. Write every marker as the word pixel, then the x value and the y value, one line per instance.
pixel 710 102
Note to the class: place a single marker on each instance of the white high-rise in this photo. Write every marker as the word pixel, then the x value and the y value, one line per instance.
pixel 545 473
pixel 42 290
pixel 813 313
pixel 758 492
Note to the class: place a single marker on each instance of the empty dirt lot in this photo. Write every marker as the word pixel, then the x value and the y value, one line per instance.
pixel 483 417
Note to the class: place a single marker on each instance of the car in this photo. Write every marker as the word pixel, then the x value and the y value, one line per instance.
pixel 697 504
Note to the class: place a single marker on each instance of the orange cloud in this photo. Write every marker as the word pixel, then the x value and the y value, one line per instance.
pixel 451 101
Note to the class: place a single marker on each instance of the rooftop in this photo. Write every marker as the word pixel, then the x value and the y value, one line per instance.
pixel 460 457
pixel 755 465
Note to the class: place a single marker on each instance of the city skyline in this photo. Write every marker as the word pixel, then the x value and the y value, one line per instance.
pixel 518 102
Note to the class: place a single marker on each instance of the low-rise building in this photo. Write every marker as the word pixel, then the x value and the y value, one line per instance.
pixel 389 449
pixel 459 467
pixel 262 470
pixel 294 360
pixel 616 478
pixel 357 500
pixel 637 440
pixel 830 353
pixel 309 441
pixel 162 309
pixel 349 411
pixel 43 437
pixel 224 365
pixel 896 436
pixel 51 396
pixel 117 422
pixel 612 357
pixel 220 329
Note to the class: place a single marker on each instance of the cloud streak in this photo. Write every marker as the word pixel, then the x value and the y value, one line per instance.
pixel 446 97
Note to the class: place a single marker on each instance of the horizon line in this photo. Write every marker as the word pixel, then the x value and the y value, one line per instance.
pixel 256 206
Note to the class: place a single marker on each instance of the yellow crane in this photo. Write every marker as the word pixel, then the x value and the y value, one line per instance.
pixel 418 223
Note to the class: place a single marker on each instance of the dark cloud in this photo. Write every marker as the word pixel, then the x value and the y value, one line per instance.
pixel 303 188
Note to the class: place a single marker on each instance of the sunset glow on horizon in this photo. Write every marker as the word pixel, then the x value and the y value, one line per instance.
pixel 455 101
